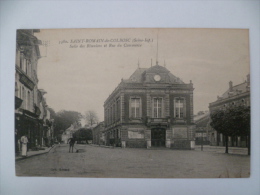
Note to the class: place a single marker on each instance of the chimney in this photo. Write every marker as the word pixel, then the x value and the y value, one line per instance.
pixel 230 85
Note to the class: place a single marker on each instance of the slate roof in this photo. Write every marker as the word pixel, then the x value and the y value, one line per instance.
pixel 137 76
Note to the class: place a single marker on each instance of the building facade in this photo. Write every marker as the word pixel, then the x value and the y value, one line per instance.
pixel 202 122
pixel 29 110
pixel 153 108
pixel 98 134
pixel 234 96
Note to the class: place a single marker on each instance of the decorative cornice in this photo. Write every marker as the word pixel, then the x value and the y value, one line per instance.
pixel 232 98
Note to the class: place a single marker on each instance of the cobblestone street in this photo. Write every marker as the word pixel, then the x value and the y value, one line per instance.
pixel 95 161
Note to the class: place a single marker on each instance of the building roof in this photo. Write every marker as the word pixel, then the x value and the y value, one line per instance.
pixel 238 89
pixel 201 116
pixel 138 75
pixel 233 92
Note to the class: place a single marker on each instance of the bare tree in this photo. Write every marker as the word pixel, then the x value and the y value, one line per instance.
pixel 91 117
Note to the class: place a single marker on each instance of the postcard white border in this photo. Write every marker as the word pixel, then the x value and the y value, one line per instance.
pixel 121 14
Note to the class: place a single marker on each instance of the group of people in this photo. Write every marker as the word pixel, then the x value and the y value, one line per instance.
pixel 24 141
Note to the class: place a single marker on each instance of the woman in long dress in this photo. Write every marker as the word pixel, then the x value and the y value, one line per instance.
pixel 24 141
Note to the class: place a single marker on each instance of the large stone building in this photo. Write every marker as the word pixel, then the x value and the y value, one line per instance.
pixel 31 110
pixel 234 96
pixel 153 108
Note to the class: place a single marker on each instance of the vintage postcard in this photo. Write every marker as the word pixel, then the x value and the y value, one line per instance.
pixel 132 103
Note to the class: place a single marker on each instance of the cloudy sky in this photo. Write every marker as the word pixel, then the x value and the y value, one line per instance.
pixel 81 78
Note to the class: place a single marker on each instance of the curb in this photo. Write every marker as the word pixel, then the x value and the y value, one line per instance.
pixel 22 158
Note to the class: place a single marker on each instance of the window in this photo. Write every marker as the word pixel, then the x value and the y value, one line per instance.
pixel 24 97
pixel 21 61
pixel 28 100
pixel 157 107
pixel 16 89
pixel 118 110
pixel 28 68
pixel 179 107
pixel 135 107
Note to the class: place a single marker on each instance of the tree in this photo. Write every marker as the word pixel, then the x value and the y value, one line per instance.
pixel 240 122
pixel 220 124
pixel 233 121
pixel 64 119
pixel 91 117
pixel 83 134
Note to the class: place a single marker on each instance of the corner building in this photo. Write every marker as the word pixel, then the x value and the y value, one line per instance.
pixel 153 108
pixel 238 95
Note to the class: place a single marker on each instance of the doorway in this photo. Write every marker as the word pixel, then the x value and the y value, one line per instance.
pixel 158 137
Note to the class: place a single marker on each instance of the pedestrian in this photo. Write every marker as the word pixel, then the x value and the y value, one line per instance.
pixel 24 142
pixel 71 141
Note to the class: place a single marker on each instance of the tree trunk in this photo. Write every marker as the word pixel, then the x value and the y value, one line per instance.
pixel 226 138
pixel 249 145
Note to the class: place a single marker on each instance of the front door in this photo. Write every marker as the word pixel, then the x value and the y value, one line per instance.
pixel 158 137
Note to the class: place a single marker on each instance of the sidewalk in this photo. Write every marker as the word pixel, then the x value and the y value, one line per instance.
pixel 221 149
pixel 33 153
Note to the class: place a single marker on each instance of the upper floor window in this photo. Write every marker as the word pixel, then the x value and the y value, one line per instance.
pixel 118 109
pixel 28 100
pixel 179 107
pixel 157 107
pixel 21 61
pixel 135 107
pixel 23 97
pixel 16 89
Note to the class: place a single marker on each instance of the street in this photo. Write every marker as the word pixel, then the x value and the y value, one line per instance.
pixel 95 161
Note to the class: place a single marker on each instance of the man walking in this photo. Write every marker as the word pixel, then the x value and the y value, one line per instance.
pixel 71 141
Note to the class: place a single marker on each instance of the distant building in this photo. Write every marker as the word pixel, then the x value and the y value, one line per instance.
pixel 98 134
pixel 202 121
pixel 68 133
pixel 234 96
pixel 153 108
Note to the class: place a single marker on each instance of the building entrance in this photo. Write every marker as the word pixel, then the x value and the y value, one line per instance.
pixel 158 137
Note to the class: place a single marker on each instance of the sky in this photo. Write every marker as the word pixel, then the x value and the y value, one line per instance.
pixel 80 68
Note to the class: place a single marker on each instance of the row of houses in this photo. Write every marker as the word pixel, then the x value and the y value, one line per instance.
pixel 154 108
pixel 235 95
pixel 32 116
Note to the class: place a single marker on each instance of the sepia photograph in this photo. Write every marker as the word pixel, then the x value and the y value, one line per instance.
pixel 132 103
